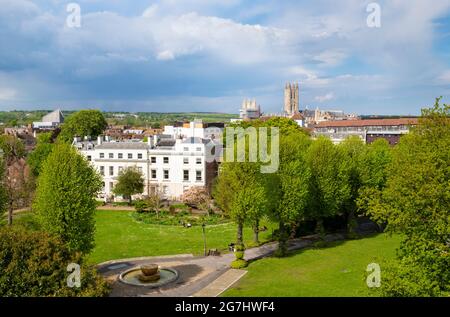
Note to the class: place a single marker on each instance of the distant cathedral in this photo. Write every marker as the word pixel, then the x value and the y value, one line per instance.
pixel 291 99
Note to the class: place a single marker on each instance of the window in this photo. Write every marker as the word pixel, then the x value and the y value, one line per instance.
pixel 111 186
pixel 111 170
pixel 102 170
pixel 166 174
pixel 185 149
pixel 153 174
pixel 102 155
pixel 111 155
pixel 185 160
pixel 89 158
pixel 120 169
pixel 186 175
pixel 198 176
pixel 130 156
pixel 121 155
pixel 198 160
pixel 166 160
pixel 153 159
pixel 198 149
pixel 140 156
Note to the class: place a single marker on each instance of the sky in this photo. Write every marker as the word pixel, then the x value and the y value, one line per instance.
pixel 208 55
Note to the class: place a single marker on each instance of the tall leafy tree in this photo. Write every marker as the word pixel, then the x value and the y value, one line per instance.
pixel 65 197
pixel 291 186
pixel 129 182
pixel 83 123
pixel 38 156
pixel 353 150
pixel 416 203
pixel 329 180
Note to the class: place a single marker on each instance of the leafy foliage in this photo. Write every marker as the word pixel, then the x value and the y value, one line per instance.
pixel 34 264
pixel 416 202
pixel 43 149
pixel 129 182
pixel 65 197
pixel 83 123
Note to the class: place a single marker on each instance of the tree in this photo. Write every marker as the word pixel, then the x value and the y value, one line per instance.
pixel 129 182
pixel 197 196
pixel 65 197
pixel 35 263
pixel 292 194
pixel 416 203
pixel 329 181
pixel 83 123
pixel 16 180
pixel 155 200
pixel 353 149
pixel 43 149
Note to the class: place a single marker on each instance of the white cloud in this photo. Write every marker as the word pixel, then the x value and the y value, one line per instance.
pixel 329 96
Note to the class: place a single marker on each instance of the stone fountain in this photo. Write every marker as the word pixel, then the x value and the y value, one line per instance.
pixel 148 275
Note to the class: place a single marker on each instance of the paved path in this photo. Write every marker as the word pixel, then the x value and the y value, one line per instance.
pixel 198 276
pixel 221 284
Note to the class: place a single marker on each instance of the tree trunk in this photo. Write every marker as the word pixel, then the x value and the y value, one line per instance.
pixel 131 201
pixel 320 229
pixel 239 237
pixel 256 232
pixel 10 215
pixel 282 240
pixel 351 225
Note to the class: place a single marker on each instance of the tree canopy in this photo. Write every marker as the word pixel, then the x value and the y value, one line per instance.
pixel 65 197
pixel 129 182
pixel 83 123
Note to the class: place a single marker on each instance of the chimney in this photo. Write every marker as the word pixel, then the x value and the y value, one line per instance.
pixel 99 140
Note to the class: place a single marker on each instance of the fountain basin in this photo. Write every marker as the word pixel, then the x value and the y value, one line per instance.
pixel 134 277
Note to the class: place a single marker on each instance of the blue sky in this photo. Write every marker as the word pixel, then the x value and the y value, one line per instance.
pixel 206 55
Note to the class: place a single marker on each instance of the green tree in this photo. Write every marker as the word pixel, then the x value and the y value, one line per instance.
pixel 13 148
pixel 65 197
pixel 416 203
pixel 35 264
pixel 38 156
pixel 83 123
pixel 353 149
pixel 129 182
pixel 329 180
pixel 292 180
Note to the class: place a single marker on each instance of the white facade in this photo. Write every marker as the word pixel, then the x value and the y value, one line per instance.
pixel 170 166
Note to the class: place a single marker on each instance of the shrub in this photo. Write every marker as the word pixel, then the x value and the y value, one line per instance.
pixel 140 206
pixel 239 255
pixel 35 264
pixel 239 264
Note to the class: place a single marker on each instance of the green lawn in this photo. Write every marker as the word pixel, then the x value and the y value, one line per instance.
pixel 338 270
pixel 118 236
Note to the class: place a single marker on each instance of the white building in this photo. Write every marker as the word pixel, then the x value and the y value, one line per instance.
pixel 50 121
pixel 170 164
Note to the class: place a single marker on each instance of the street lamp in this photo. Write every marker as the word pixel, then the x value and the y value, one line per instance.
pixel 204 238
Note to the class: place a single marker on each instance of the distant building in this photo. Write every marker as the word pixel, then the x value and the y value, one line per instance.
pixel 50 121
pixel 291 99
pixel 368 130
pixel 249 110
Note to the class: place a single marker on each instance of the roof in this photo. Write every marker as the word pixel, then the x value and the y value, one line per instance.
pixel 55 116
pixel 368 122
pixel 123 146
pixel 195 140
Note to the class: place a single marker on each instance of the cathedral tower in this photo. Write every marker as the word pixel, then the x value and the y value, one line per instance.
pixel 291 99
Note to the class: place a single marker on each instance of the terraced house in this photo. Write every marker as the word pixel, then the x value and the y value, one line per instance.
pixel 169 163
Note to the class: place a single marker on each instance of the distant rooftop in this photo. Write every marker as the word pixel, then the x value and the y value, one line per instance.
pixel 368 122
pixel 123 146
pixel 55 116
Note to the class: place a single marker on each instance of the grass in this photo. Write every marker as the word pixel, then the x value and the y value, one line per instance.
pixel 337 270
pixel 119 236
